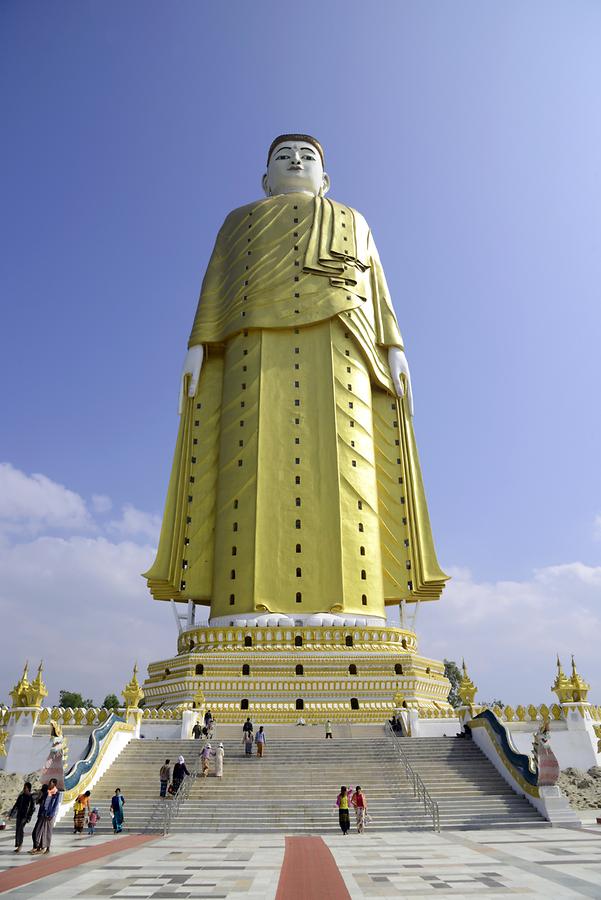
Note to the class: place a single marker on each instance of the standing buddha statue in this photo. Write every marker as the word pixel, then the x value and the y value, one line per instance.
pixel 296 494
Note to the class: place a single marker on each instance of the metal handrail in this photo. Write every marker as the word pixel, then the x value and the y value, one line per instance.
pixel 166 810
pixel 419 788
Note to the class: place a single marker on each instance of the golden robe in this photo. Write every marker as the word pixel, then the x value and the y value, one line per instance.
pixel 296 485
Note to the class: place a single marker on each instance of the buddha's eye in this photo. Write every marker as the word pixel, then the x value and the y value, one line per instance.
pixel 309 158
pixel 282 156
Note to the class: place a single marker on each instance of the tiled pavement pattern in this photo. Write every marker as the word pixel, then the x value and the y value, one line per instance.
pixel 552 863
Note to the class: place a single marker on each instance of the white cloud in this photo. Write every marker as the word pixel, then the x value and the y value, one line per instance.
pixel 101 503
pixel 77 601
pixel 81 604
pixel 29 503
pixel 135 522
pixel 510 631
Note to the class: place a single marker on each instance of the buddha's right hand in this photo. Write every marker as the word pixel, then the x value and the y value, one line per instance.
pixel 191 371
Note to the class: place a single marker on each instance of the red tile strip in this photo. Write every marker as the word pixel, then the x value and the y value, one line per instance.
pixel 50 865
pixel 309 872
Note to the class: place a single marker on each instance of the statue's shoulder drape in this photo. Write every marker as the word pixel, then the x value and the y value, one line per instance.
pixel 255 278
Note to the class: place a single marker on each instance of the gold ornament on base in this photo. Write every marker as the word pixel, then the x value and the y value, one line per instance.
pixel 580 687
pixel 19 692
pixel 38 689
pixel 132 692
pixel 562 685
pixel 199 699
pixel 467 689
pixel 398 700
pixel 3 738
pixel 29 694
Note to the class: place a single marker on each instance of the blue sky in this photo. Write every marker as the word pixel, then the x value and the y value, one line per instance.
pixel 467 133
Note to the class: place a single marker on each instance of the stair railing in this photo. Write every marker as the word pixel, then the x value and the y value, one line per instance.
pixel 172 809
pixel 420 791
pixel 166 810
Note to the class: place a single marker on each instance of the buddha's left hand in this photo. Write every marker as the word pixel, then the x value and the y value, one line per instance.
pixel 401 377
pixel 191 373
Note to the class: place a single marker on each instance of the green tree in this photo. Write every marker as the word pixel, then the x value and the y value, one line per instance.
pixel 453 673
pixel 74 700
pixel 111 701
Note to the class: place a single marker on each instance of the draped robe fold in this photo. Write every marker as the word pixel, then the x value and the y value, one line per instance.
pixel 296 485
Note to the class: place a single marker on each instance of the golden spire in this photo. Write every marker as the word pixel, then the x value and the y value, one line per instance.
pixel 132 692
pixel 20 690
pixel 37 689
pixel 580 688
pixel 467 689
pixel 562 685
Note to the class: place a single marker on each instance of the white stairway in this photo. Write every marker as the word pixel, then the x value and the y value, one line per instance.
pixel 294 787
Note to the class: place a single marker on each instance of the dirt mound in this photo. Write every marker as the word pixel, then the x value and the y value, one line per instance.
pixel 11 785
pixel 582 789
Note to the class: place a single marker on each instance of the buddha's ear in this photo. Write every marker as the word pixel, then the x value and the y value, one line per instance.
pixel 264 185
pixel 325 184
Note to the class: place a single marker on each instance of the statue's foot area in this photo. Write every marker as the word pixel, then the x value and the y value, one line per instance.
pixel 316 620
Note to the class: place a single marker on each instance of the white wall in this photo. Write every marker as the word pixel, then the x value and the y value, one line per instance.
pixel 571 742
pixel 27 753
pixel 166 730
pixel 437 728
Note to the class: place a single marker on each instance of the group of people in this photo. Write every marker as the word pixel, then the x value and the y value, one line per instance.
pixel 170 785
pixel 48 800
pixel 249 738
pixel 205 730
pixel 351 797
pixel 329 733
pixel 83 808
pixel 205 757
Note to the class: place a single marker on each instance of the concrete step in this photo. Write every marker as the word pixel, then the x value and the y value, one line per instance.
pixel 469 791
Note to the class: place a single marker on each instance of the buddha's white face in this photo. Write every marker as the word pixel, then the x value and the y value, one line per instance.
pixel 295 167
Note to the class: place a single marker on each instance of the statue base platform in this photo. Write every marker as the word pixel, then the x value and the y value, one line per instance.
pixel 278 674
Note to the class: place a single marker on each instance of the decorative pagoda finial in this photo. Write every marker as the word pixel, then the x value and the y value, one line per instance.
pixel 467 689
pixel 37 689
pixel 132 692
pixel 562 685
pixel 19 692
pixel 580 688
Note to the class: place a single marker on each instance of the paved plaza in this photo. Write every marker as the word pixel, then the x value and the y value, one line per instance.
pixel 550 862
